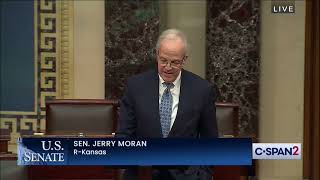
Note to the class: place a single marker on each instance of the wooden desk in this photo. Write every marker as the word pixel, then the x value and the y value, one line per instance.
pixel 219 172
pixel 232 172
pixel 4 144
pixel 71 172
pixel 8 156
pixel 4 153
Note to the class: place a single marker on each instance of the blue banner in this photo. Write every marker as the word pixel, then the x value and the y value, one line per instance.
pixel 17 58
pixel 116 151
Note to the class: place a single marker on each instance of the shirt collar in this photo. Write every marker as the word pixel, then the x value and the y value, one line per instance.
pixel 176 82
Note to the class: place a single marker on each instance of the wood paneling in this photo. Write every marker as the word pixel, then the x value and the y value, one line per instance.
pixel 311 154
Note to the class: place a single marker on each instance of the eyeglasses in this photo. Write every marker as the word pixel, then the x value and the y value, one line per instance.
pixel 172 63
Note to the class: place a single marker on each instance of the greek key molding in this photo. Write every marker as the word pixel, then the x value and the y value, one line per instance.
pixel 53 29
pixel 67 63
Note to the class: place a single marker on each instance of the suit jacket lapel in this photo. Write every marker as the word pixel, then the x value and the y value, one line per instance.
pixel 153 97
pixel 178 123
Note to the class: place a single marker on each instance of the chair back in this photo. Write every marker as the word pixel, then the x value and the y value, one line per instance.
pixel 87 116
pixel 227 119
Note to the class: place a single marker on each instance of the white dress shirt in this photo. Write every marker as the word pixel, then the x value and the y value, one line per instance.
pixel 175 91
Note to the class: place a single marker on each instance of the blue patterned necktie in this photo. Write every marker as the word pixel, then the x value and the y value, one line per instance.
pixel 165 110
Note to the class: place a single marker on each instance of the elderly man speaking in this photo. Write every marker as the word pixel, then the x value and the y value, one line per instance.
pixel 169 102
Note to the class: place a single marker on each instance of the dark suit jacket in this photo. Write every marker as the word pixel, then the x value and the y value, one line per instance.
pixel 139 112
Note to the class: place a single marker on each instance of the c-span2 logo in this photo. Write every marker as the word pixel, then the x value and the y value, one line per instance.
pixel 276 151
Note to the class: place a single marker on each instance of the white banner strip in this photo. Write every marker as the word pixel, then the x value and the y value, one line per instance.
pixel 276 151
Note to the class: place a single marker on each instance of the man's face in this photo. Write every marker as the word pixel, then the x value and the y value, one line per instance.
pixel 170 59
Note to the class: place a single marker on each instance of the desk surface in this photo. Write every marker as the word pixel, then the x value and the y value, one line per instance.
pixel 8 156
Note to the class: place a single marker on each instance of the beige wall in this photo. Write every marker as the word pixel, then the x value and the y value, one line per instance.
pixel 89 49
pixel 282 84
pixel 190 17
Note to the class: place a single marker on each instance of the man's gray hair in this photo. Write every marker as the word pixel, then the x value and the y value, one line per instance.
pixel 172 34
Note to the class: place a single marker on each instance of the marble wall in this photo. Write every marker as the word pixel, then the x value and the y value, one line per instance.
pixel 233 56
pixel 132 28
pixel 131 31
